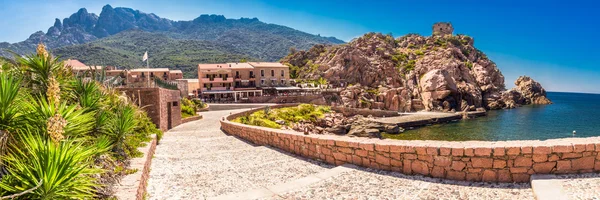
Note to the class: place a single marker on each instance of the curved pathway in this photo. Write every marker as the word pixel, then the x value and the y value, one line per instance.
pixel 198 161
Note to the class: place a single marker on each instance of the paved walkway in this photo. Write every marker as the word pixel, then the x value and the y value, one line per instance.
pixel 198 161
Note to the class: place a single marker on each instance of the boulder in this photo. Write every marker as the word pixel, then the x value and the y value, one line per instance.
pixel 532 91
pixel 437 85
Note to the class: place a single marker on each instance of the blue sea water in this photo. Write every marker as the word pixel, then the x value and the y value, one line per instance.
pixel 570 111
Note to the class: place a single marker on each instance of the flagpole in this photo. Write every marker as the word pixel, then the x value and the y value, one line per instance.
pixel 148 67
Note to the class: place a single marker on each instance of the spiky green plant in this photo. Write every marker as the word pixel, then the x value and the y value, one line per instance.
pixel 121 126
pixel 10 115
pixel 79 122
pixel 87 93
pixel 65 168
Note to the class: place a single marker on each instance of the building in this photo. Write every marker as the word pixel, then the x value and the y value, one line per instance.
pixel 141 75
pixel 271 74
pixel 442 28
pixel 79 68
pixel 240 80
pixel 192 86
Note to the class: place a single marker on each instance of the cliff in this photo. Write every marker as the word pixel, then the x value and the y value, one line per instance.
pixel 443 72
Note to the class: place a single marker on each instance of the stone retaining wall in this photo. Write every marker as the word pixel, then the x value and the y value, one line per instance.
pixel 133 186
pixel 189 119
pixel 503 161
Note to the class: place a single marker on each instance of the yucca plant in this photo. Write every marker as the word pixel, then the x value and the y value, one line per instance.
pixel 121 126
pixel 87 93
pixel 64 169
pixel 10 110
pixel 78 122
pixel 38 70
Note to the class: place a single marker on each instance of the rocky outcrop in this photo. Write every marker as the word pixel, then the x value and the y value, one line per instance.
pixel 354 126
pixel 409 73
pixel 438 90
pixel 531 91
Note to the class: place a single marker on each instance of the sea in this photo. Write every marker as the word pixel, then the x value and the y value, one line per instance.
pixel 571 112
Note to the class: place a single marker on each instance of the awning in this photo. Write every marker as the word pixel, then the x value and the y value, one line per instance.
pixel 218 92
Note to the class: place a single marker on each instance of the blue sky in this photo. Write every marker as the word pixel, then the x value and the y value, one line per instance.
pixel 555 42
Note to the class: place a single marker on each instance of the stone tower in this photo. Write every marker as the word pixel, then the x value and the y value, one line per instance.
pixel 442 28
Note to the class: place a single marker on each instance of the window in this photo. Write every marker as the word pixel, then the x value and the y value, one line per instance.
pixel 262 73
pixel 152 74
pixel 272 72
pixel 282 82
pixel 262 82
pixel 175 103
pixel 251 73
pixel 282 72
pixel 143 75
pixel 272 82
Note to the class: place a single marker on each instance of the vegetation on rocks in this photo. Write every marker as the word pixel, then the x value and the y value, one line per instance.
pixel 275 118
pixel 62 137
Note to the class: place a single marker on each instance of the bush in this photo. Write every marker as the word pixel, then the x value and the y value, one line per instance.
pixel 64 131
pixel 188 108
pixel 65 168
pixel 289 115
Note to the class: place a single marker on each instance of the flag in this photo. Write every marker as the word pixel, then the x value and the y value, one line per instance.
pixel 145 56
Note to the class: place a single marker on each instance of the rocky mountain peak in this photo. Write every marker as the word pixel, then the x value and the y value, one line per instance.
pixel 250 35
pixel 204 18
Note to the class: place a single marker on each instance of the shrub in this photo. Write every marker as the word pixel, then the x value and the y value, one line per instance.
pixel 410 65
pixel 419 52
pixel 188 108
pixel 64 168
pixel 289 115
pixel 469 64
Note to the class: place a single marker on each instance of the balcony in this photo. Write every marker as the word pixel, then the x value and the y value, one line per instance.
pixel 216 88
pixel 217 80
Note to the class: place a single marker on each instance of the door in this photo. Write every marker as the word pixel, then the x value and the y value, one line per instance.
pixel 169 117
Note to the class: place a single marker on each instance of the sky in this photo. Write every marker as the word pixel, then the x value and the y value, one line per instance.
pixel 554 42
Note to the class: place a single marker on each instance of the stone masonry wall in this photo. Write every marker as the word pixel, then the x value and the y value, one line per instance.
pixel 173 97
pixel 133 186
pixel 504 161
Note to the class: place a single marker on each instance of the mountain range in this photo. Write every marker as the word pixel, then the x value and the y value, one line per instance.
pixel 120 36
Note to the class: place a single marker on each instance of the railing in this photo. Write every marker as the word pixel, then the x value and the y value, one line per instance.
pixel 218 80
pixel 166 85
pixel 214 88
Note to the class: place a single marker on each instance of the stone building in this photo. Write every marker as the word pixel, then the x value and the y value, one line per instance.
pixel 162 105
pixel 442 28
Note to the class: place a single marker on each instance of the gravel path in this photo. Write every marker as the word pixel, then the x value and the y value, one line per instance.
pixel 197 161
pixel 581 186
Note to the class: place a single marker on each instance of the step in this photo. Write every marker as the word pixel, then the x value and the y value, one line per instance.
pixel 547 187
